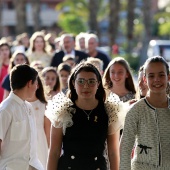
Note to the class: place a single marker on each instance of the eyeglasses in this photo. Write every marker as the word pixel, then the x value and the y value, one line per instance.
pixel 90 82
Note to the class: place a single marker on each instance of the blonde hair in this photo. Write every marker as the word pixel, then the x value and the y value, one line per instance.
pixel 96 62
pixel 32 41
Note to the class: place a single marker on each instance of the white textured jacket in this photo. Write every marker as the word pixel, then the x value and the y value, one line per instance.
pixel 147 128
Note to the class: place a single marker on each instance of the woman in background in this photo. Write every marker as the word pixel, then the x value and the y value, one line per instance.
pixel 17 58
pixel 51 82
pixel 5 55
pixel 38 49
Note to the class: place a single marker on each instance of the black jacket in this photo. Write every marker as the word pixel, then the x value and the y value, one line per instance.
pixel 58 57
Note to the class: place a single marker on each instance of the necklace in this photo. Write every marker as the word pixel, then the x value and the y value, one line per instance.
pixel 88 115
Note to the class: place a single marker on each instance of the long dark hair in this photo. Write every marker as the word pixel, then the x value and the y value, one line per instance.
pixel 87 67
pixel 40 91
pixel 52 69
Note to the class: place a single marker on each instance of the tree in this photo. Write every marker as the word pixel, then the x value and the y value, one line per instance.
pixel 162 23
pixel 89 11
pixel 36 14
pixel 130 24
pixel 93 7
pixel 113 20
pixel 147 20
pixel 0 19
pixel 20 8
pixel 72 24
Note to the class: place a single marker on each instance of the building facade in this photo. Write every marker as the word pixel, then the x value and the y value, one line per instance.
pixel 48 15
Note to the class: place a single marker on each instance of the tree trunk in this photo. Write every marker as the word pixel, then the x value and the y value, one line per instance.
pixel 36 14
pixel 147 20
pixel 20 8
pixel 93 11
pixel 0 19
pixel 130 24
pixel 113 20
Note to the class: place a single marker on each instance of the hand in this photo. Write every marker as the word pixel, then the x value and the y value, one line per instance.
pixel 132 101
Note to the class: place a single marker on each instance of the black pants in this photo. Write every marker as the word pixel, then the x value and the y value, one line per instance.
pixel 77 162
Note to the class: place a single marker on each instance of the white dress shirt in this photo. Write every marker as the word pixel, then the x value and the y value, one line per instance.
pixel 18 135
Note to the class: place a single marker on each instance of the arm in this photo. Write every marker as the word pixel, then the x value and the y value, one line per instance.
pixel 47 126
pixel 55 148
pixel 6 94
pixel 113 150
pixel 0 148
pixel 128 139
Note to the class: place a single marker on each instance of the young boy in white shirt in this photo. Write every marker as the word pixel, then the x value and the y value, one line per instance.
pixel 17 123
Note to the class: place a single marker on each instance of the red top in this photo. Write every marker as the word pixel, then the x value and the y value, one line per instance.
pixel 3 73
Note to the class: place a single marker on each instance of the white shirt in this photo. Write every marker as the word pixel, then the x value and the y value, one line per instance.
pixel 72 53
pixel 18 135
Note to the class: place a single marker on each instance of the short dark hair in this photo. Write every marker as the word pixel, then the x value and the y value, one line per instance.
pixel 65 67
pixel 156 59
pixel 20 75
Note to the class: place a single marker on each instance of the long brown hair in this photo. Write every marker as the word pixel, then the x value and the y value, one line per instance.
pixel 129 84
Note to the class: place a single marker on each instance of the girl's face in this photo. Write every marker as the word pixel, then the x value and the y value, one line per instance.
pixel 118 74
pixel 64 75
pixel 142 86
pixel 5 51
pixel 86 85
pixel 156 77
pixel 19 59
pixel 50 79
pixel 39 44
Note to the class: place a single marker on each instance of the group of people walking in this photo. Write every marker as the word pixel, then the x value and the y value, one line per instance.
pixel 85 112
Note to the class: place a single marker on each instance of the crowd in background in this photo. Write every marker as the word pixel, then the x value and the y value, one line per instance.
pixel 43 50
pixel 55 59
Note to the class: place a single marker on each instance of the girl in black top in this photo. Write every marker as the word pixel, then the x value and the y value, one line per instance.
pixel 82 122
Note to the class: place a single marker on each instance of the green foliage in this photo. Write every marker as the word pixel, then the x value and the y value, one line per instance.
pixel 80 8
pixel 164 29
pixel 77 7
pixel 72 24
pixel 138 29
pixel 162 23
pixel 133 61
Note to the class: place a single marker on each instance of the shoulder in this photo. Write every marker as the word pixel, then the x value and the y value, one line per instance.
pixel 102 54
pixel 137 108
pixel 59 53
pixel 77 52
pixel 7 107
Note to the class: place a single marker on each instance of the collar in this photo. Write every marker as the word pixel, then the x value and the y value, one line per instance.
pixel 152 107
pixel 16 98
pixel 72 52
